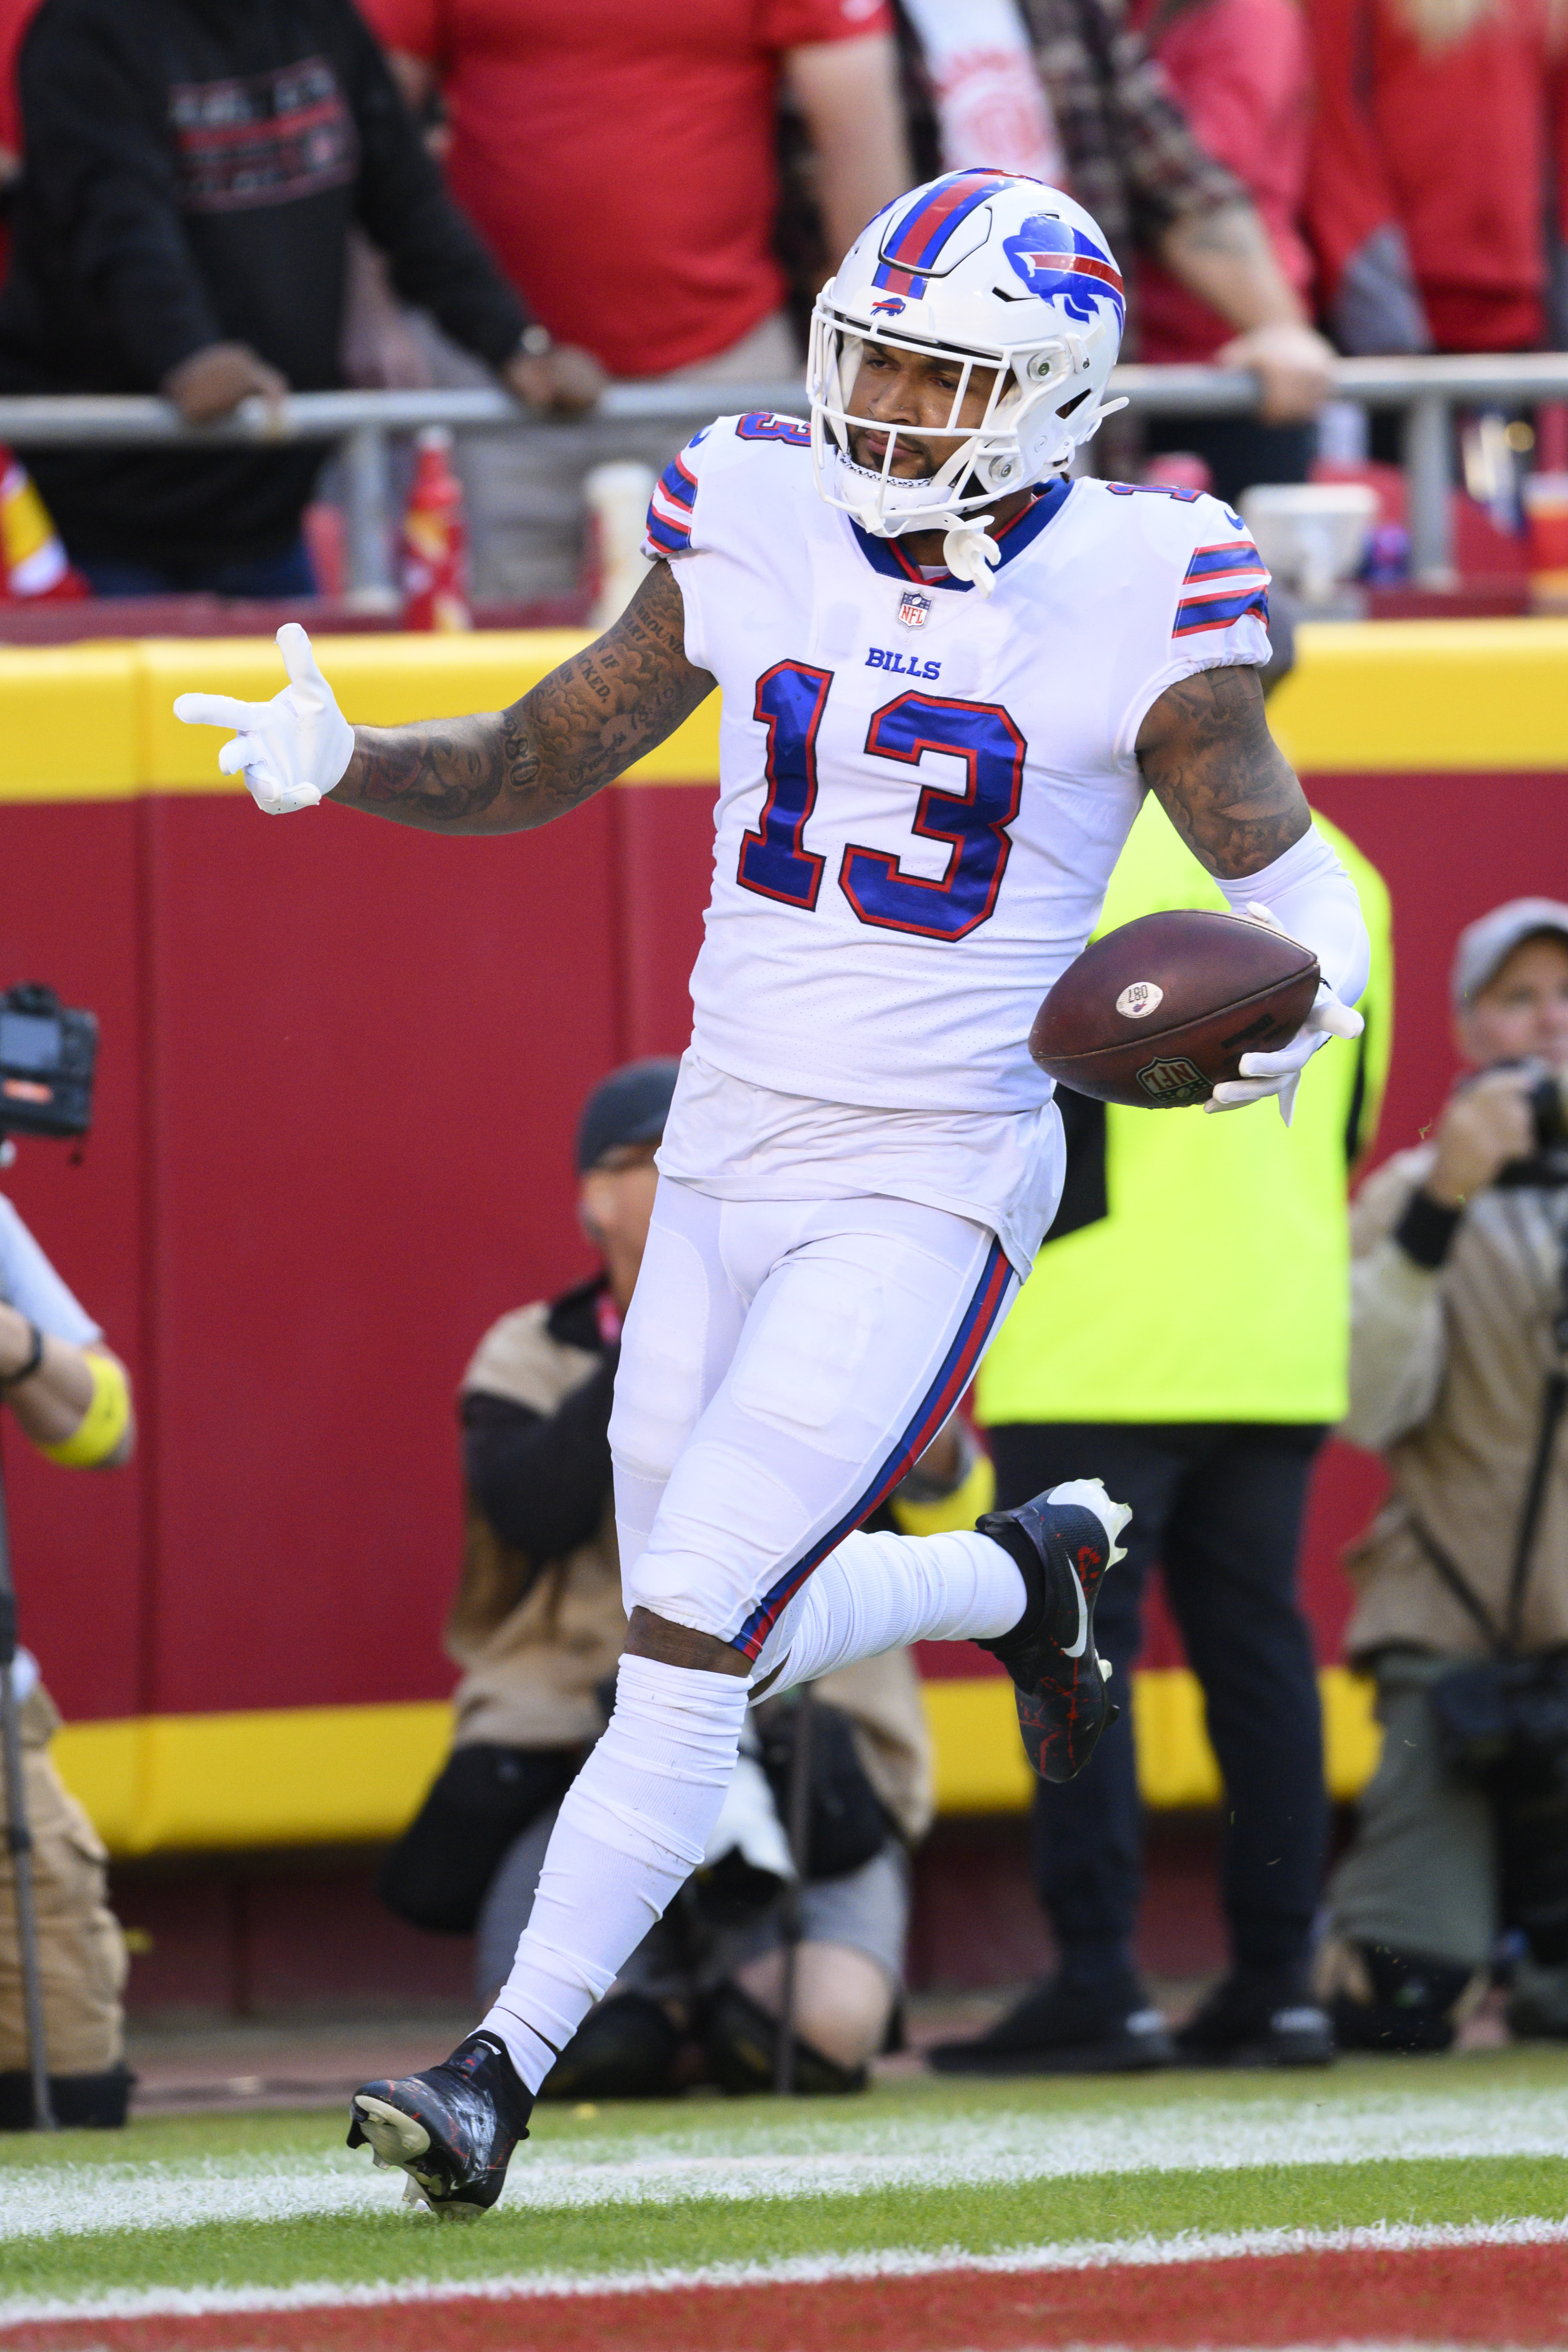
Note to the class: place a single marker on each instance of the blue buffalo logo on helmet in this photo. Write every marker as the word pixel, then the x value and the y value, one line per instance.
pixel 889 306
pixel 1061 263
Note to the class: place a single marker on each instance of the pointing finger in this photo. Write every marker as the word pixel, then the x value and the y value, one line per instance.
pixel 218 710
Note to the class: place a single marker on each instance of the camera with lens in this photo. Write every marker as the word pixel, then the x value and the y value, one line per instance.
pixel 1548 1112
pixel 1546 1164
pixel 48 1051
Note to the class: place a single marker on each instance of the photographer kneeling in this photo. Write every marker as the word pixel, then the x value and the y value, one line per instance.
pixel 70 1395
pixel 1459 1377
pixel 537 1628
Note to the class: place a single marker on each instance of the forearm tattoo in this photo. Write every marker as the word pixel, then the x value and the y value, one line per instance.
pixel 1207 754
pixel 507 771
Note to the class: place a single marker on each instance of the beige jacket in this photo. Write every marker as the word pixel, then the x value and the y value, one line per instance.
pixel 1446 1378
pixel 533 1668
pixel 81 1952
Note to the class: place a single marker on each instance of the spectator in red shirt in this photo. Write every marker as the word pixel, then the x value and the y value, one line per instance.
pixel 1242 71
pixel 1431 156
pixel 621 164
pixel 16 15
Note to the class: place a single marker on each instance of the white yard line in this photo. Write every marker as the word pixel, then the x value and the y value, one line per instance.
pixel 143 2303
pixel 841 2157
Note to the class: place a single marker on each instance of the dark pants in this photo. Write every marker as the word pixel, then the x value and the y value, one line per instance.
pixel 1220 1506
pixel 1237 450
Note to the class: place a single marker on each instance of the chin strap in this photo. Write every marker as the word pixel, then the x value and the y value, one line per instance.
pixel 971 554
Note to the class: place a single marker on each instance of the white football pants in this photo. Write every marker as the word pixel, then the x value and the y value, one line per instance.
pixel 783 1364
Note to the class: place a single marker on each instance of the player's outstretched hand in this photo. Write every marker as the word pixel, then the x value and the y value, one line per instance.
pixel 291 750
pixel 1280 1074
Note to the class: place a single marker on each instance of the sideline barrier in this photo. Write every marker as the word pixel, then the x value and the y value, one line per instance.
pixel 353 1775
pixel 173 1753
pixel 93 721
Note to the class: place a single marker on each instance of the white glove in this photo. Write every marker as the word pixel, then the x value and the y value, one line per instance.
pixel 1280 1074
pixel 292 748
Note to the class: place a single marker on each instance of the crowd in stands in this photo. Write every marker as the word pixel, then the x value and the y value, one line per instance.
pixel 219 198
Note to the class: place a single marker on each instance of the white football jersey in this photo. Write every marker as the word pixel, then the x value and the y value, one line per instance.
pixel 923 790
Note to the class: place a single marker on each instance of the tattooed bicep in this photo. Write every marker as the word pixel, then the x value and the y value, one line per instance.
pixel 601 710
pixel 1207 754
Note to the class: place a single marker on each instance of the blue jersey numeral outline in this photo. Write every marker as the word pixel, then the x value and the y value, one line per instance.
pixel 973 824
pixel 790 700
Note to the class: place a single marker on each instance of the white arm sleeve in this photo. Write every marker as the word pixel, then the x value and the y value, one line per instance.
pixel 1312 896
pixel 29 1283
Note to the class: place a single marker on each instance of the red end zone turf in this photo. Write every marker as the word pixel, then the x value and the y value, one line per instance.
pixel 1490 2295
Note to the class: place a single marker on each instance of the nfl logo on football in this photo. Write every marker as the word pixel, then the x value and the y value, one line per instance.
pixel 914 609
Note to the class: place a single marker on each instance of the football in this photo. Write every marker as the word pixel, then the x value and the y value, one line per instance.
pixel 1157 1013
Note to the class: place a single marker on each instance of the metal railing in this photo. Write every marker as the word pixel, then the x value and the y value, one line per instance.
pixel 364 422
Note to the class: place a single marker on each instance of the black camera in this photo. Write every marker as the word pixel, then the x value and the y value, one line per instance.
pixel 48 1051
pixel 1548 1115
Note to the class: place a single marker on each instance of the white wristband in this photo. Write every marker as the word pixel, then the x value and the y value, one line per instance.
pixel 1312 896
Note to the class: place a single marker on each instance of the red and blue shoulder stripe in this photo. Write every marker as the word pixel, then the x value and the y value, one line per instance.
pixel 671 507
pixel 1220 585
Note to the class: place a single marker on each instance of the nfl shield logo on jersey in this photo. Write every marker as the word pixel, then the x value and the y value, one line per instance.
pixel 914 609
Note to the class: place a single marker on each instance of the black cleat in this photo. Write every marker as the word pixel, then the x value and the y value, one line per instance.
pixel 1064 1542
pixel 1258 2018
pixel 452 2129
pixel 1062 2028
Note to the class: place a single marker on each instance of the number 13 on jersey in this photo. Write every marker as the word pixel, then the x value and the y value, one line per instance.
pixel 973 823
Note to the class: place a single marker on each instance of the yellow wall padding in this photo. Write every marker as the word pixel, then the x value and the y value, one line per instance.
pixel 93 721
pixel 980 1765
pixel 343 1775
pixel 1387 697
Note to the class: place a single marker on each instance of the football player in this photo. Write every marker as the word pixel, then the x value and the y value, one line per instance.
pixel 949 672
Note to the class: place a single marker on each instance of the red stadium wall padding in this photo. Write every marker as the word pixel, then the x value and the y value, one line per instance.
pixel 364 1052
pixel 341 1065
pixel 664 837
pixel 69 914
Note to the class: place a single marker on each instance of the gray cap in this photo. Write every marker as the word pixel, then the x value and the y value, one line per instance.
pixel 1486 946
pixel 629 1106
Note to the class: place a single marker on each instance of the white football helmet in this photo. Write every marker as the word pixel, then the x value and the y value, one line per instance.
pixel 1006 276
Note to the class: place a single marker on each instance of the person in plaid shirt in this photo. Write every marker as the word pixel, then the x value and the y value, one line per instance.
pixel 1127 153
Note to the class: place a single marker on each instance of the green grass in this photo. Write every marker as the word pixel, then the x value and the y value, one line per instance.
pixel 394 2244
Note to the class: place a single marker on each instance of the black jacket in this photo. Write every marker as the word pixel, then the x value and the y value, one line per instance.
pixel 193 169
pixel 542 1479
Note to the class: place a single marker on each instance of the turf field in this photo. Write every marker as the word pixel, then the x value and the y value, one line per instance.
pixel 1423 2202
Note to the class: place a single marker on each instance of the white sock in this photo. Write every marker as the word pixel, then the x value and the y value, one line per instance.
pixel 633 1827
pixel 877 1591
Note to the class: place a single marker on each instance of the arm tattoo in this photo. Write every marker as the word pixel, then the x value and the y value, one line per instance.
pixel 507 771
pixel 1207 756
